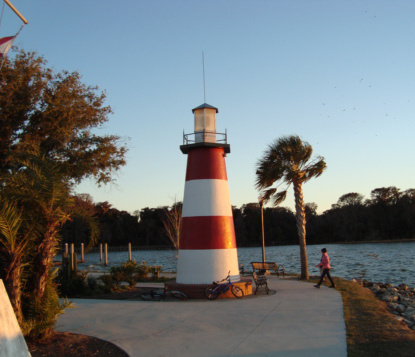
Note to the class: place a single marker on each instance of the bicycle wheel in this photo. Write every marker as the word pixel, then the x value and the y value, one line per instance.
pixel 151 296
pixel 211 293
pixel 237 291
pixel 179 295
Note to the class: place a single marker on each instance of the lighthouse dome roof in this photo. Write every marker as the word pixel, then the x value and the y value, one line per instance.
pixel 205 105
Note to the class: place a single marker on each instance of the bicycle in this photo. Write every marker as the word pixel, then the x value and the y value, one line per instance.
pixel 222 287
pixel 158 295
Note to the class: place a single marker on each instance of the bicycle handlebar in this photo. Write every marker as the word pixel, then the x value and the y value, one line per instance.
pixel 223 280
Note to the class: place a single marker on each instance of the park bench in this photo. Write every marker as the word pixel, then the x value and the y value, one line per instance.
pixel 260 280
pixel 259 270
pixel 261 267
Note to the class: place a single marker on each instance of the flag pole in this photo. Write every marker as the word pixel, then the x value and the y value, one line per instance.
pixel 16 11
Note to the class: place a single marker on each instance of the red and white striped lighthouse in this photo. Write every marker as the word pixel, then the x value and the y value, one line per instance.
pixel 207 248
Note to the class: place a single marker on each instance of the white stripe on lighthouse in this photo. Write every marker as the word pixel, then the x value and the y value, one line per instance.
pixel 212 265
pixel 206 198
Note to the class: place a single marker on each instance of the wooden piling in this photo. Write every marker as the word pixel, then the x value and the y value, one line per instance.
pixel 106 254
pixel 72 256
pixel 129 252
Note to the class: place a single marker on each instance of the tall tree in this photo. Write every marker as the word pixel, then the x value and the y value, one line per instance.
pixel 287 161
pixel 83 225
pixel 386 195
pixel 56 115
pixel 48 143
pixel 172 222
pixel 349 199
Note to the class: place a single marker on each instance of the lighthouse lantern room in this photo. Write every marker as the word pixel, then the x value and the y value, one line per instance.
pixel 205 123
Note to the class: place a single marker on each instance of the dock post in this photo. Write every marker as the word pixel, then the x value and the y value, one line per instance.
pixel 129 252
pixel 73 257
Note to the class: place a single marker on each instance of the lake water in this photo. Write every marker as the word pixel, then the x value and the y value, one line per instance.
pixel 378 262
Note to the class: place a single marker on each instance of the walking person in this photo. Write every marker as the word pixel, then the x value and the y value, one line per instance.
pixel 325 264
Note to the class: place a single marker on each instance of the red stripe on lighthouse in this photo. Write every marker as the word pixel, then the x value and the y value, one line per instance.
pixel 206 163
pixel 214 232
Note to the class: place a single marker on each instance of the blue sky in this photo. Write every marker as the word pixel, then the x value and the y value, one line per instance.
pixel 340 74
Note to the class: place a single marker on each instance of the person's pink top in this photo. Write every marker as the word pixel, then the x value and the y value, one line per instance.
pixel 325 261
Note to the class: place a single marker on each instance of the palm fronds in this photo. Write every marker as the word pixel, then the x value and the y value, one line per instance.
pixel 287 161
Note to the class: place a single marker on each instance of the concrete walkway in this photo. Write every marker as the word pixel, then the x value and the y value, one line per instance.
pixel 299 320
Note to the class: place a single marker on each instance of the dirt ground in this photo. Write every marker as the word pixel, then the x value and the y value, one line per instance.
pixel 65 344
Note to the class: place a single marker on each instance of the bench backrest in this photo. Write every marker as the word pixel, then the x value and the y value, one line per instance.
pixel 264 266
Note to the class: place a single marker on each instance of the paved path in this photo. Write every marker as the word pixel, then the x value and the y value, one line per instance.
pixel 299 320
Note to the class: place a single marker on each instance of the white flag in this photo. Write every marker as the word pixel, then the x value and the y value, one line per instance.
pixel 5 45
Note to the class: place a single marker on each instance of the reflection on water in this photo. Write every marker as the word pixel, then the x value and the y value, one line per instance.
pixel 378 262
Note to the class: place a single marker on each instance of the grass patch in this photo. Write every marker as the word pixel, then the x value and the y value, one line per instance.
pixel 370 328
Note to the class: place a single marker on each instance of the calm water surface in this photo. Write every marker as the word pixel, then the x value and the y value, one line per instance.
pixel 378 262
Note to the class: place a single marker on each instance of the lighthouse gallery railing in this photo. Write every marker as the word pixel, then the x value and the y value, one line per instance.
pixel 206 136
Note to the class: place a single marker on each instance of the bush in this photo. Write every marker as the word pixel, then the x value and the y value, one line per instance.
pixel 73 283
pixel 109 282
pixel 92 283
pixel 130 272
pixel 155 271
pixel 40 316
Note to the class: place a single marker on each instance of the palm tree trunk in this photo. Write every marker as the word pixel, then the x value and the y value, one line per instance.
pixel 44 261
pixel 301 224
pixel 12 283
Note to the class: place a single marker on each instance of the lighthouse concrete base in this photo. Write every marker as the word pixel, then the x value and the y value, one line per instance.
pixel 197 291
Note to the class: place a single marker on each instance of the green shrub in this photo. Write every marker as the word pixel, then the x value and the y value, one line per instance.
pixel 73 285
pixel 40 316
pixel 155 271
pixel 130 272
pixel 109 283
pixel 141 270
pixel 92 283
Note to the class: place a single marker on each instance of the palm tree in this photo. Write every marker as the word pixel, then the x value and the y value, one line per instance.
pixel 286 161
pixel 43 193
pixel 35 201
pixel 15 236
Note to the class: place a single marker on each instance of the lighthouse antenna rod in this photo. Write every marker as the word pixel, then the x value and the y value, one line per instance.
pixel 16 11
pixel 204 86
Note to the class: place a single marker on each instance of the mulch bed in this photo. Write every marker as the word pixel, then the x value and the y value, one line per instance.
pixel 65 344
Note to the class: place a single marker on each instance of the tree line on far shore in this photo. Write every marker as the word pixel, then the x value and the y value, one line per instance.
pixel 389 214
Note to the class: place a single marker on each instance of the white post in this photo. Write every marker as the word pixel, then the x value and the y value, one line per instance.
pixel 129 251
pixel 66 248
pixel 72 256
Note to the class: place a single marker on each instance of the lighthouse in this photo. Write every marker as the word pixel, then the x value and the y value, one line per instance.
pixel 207 247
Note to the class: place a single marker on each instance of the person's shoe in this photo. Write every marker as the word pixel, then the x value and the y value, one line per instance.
pixel 317 286
pixel 332 286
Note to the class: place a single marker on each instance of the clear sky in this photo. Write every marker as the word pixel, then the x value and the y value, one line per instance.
pixel 341 74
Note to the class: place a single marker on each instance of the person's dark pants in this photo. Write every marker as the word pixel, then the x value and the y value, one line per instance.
pixel 325 272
